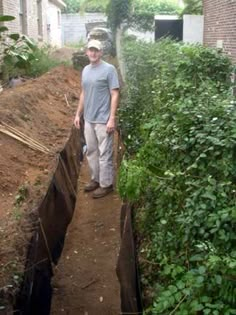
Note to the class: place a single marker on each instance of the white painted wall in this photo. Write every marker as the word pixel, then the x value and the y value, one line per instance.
pixel 54 25
pixel 193 29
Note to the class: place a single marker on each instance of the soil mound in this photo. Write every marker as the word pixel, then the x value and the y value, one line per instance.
pixel 42 109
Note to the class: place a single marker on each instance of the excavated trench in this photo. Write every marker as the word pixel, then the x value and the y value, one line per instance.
pixel 52 218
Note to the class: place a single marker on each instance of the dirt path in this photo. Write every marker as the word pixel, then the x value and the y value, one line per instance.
pixel 85 282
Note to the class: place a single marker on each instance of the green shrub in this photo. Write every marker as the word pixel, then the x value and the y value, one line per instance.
pixel 182 175
pixel 16 51
pixel 142 16
pixel 41 62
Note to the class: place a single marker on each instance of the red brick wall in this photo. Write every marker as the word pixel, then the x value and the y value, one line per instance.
pixel 220 25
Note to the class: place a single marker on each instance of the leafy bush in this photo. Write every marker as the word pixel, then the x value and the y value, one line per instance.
pixel 74 6
pixel 142 16
pixel 182 176
pixel 192 7
pixel 16 51
pixel 21 56
pixel 42 61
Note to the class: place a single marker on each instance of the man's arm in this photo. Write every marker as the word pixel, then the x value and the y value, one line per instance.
pixel 80 110
pixel 114 106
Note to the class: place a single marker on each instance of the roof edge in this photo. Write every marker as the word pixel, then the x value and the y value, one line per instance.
pixel 59 3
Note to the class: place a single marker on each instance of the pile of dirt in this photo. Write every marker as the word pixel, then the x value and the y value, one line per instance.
pixel 42 109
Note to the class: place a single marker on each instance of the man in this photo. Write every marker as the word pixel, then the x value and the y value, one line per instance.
pixel 98 101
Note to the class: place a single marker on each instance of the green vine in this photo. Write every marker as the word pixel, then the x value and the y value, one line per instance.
pixel 178 123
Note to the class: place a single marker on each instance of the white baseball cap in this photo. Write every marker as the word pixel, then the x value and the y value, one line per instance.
pixel 94 43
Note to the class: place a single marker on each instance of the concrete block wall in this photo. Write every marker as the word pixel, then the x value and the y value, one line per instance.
pixel 220 25
pixel 73 26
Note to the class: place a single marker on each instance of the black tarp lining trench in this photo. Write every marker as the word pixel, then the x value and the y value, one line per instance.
pixel 53 217
pixel 54 214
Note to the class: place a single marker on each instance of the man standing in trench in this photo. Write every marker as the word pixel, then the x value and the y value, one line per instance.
pixel 98 101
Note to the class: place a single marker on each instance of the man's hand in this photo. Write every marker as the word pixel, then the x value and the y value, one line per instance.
pixel 111 125
pixel 77 122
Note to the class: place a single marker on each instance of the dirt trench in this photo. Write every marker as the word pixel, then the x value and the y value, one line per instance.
pixel 85 282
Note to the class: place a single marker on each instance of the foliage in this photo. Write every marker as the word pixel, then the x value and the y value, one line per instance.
pixel 16 50
pixel 192 7
pixel 42 61
pixel 178 124
pixel 118 12
pixel 139 14
pixel 76 6
pixel 142 16
pixel 134 13
pixel 20 56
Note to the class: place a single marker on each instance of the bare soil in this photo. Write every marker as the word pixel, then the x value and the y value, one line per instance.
pixel 85 282
pixel 38 109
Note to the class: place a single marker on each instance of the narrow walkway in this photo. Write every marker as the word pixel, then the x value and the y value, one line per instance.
pixel 85 282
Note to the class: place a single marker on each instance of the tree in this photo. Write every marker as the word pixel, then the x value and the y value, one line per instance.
pixel 192 7
pixel 75 6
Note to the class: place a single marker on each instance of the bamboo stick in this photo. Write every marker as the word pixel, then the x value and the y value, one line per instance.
pixel 24 136
pixel 32 146
pixel 67 103
pixel 25 140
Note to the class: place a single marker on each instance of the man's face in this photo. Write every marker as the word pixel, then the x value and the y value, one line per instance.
pixel 94 55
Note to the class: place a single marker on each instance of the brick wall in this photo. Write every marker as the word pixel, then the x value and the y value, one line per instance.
pixel 12 7
pixel 220 25
pixel 1 8
pixel 32 20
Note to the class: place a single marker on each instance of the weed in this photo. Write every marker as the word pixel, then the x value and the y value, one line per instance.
pixel 21 195
pixel 80 45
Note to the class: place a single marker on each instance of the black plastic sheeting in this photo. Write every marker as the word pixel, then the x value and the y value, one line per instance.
pixel 127 267
pixel 52 217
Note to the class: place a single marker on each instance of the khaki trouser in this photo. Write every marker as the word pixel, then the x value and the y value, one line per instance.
pixel 99 153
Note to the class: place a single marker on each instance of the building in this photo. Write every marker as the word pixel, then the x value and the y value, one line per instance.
pixel 220 25
pixel 38 19
pixel 189 29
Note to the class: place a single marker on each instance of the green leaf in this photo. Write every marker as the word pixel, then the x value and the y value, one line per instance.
pixel 202 270
pixel 200 279
pixel 163 221
pixel 197 257
pixel 6 18
pixel 14 36
pixel 3 29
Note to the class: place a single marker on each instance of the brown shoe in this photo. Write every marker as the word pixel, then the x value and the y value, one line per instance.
pixel 91 186
pixel 102 191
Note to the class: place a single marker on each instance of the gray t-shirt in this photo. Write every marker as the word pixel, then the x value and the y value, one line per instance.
pixel 97 82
